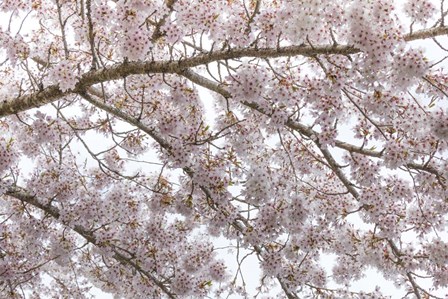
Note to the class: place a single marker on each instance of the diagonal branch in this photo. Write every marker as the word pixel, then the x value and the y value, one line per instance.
pixel 307 131
pixel 302 129
pixel 26 197
pixel 240 224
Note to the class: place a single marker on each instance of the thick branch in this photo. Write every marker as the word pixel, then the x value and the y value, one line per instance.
pixel 124 69
pixel 46 96
pixel 426 33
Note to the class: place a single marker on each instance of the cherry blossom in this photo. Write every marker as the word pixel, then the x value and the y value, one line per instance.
pixel 220 149
pixel 64 74
pixel 420 11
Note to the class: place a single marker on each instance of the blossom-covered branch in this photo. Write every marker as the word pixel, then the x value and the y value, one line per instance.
pixel 121 70
pixel 25 197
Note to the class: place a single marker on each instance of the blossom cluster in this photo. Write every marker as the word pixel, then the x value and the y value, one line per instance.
pixel 16 48
pixel 7 154
pixel 64 74
pixel 420 11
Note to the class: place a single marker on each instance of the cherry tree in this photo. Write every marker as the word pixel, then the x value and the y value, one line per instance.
pixel 137 135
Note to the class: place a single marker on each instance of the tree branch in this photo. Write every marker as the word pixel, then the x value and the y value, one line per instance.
pixel 294 125
pixel 121 70
pixel 325 152
pixel 26 197
pixel 239 224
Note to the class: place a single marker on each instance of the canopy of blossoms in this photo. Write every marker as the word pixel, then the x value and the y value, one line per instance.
pixel 137 135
